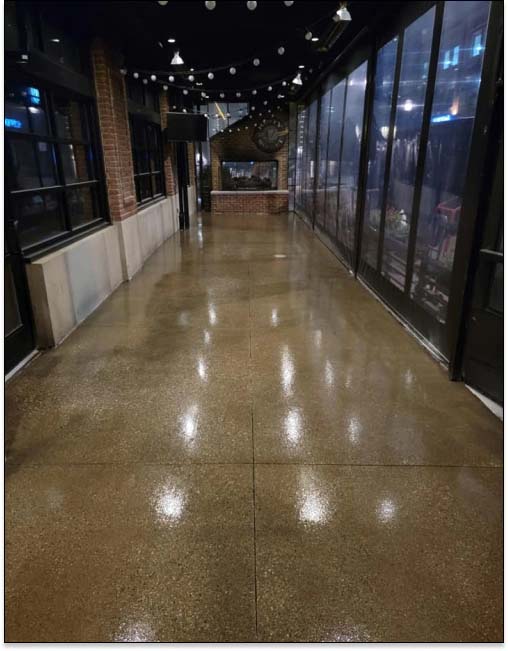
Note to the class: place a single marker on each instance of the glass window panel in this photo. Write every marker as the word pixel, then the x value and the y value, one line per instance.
pixel 157 184
pixel 406 141
pixel 333 154
pixel 23 164
pixel 324 119
pixel 15 116
pixel 451 127
pixel 46 155
pixel 300 145
pixel 74 163
pixel 310 168
pixel 350 157
pixel 383 91
pixel 81 205
pixel 252 175
pixel 68 118
pixel 61 47
pixel 40 218
pixel 38 120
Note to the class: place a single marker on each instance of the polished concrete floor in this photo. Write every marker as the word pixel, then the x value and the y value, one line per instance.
pixel 243 444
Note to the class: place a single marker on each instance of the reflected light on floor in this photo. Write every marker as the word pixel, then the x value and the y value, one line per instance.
pixel 287 371
pixel 386 511
pixel 170 505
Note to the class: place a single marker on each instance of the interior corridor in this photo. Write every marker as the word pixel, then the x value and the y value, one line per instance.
pixel 243 444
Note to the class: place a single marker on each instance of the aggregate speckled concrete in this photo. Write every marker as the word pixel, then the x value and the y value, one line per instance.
pixel 242 444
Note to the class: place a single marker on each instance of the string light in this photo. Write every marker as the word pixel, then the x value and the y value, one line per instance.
pixel 171 78
pixel 136 75
pixel 308 36
pixel 281 50
pixel 190 77
pixel 256 62
pixel 210 75
pixel 153 77
pixel 232 70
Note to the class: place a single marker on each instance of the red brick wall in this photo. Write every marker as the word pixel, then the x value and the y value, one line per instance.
pixel 240 146
pixel 252 202
pixel 115 132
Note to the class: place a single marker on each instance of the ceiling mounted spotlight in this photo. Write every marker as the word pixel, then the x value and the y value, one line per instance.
pixel 171 40
pixel 210 4
pixel 190 77
pixel 343 13
pixel 281 50
pixel 123 71
pixel 177 59
pixel 256 62
pixel 298 80
pixel 171 78
pixel 232 71
pixel 308 36
pixel 136 75
pixel 210 75
pixel 153 77
pixel 252 4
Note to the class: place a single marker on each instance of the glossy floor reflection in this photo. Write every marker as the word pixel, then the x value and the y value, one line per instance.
pixel 242 444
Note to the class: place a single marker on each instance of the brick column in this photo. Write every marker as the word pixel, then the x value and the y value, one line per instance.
pixel 167 148
pixel 115 132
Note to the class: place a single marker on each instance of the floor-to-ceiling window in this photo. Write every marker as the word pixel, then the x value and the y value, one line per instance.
pixel 451 126
pixel 421 120
pixel 324 120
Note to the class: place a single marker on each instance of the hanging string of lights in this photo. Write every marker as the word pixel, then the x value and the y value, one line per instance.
pixel 341 14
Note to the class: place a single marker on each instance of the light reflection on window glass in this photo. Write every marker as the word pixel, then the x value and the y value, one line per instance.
pixel 350 157
pixel 385 71
pixel 406 141
pixel 452 120
pixel 324 119
pixel 334 145
pixel 300 141
pixel 310 168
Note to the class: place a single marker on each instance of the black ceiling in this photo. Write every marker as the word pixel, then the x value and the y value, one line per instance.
pixel 209 39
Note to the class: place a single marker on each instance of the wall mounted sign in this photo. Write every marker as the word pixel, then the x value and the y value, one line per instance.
pixel 270 136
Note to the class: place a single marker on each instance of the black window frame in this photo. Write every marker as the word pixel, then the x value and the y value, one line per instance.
pixel 141 126
pixel 63 189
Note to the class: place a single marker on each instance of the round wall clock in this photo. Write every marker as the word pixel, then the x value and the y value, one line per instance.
pixel 270 136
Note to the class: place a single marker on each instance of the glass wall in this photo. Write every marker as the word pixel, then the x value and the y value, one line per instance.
pixel 415 162
pixel 451 126
pixel 379 133
pixel 333 155
pixel 405 144
pixel 350 156
pixel 324 119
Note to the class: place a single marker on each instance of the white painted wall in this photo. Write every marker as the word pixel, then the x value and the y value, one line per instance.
pixel 69 284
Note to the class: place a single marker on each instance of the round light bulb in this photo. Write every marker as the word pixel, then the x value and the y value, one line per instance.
pixel 153 77
pixel 123 71
pixel 210 4
pixel 281 50
pixel 222 95
pixel 254 92
pixel 308 36
pixel 256 62
pixel 165 87
pixel 265 102
pixel 171 78
pixel 284 83
pixel 145 81
pixel 185 91
pixel 232 71
pixel 210 75
pixel 136 75
pixel 270 88
pixel 238 94
pixel 252 4
pixel 190 77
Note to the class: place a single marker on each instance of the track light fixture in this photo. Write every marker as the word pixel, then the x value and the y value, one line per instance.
pixel 177 59
pixel 298 80
pixel 343 13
